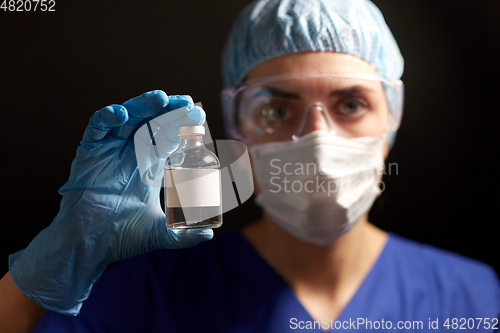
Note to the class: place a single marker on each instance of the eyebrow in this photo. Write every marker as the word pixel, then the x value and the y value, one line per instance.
pixel 350 91
pixel 281 93
pixel 336 93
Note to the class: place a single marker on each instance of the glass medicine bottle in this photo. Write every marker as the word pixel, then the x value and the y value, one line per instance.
pixel 192 183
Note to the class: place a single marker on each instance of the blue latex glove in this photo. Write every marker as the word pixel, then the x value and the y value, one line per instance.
pixel 107 213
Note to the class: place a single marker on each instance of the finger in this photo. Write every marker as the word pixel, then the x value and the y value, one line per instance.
pixel 165 128
pixel 158 137
pixel 162 130
pixel 138 109
pixel 188 237
pixel 178 106
pixel 184 116
pixel 101 121
pixel 147 105
pixel 178 101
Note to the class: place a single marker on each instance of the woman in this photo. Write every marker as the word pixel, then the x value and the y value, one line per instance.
pixel 308 82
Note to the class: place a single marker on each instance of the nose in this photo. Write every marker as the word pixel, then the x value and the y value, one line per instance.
pixel 314 119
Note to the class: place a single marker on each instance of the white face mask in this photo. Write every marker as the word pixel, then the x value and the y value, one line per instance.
pixel 319 186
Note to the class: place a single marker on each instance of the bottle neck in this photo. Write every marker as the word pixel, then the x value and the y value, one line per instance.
pixel 191 141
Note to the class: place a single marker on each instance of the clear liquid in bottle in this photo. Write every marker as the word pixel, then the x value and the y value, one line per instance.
pixel 192 183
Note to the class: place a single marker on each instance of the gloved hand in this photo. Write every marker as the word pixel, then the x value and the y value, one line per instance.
pixel 107 213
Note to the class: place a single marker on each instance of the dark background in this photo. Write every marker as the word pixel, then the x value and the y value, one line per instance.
pixel 58 68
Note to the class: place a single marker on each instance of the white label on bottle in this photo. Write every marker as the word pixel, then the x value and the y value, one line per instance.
pixel 192 187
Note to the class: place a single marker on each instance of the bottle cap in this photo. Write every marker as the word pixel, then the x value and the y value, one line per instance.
pixel 191 130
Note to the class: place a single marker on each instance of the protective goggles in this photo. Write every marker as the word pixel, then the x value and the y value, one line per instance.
pixel 285 107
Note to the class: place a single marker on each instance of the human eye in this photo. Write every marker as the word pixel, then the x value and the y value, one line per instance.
pixel 274 112
pixel 352 107
pixel 273 116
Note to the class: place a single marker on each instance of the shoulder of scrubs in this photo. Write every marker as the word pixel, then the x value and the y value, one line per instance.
pixel 459 286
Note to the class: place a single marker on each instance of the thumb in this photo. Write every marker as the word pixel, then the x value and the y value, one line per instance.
pixel 183 238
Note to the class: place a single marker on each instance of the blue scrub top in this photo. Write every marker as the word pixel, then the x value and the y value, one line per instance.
pixel 224 285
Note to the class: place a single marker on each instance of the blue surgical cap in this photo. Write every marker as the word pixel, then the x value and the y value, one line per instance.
pixel 268 29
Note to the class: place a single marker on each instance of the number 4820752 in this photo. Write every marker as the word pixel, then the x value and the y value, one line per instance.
pixel 28 5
